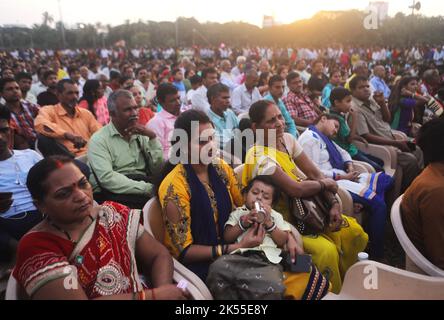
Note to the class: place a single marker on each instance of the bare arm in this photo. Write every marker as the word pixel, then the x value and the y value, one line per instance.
pixel 155 260
pixel 231 233
pixel 302 122
pixel 279 237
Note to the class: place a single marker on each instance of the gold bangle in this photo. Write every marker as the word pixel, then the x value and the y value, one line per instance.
pixel 219 250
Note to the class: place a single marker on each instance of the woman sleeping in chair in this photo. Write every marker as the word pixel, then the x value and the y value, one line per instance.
pixel 365 188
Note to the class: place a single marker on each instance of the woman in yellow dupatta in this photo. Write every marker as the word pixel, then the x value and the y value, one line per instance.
pixel 279 155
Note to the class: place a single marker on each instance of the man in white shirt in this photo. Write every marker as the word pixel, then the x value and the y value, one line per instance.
pixel 18 213
pixel 144 82
pixel 438 57
pixel 39 87
pixel 24 81
pixel 199 100
pixel 301 67
pixel 246 94
pixel 226 77
pixel 74 75
pixel 238 69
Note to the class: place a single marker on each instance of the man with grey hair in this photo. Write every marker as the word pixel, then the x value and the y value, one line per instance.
pixel 360 68
pixel 124 155
pixel 226 77
pixel 246 94
pixel 240 66
pixel 378 83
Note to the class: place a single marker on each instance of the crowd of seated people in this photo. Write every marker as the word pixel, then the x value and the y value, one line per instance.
pixel 88 140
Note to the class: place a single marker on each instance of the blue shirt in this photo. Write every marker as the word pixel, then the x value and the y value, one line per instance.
pixel 13 175
pixel 290 126
pixel 224 126
pixel 379 85
pixel 326 92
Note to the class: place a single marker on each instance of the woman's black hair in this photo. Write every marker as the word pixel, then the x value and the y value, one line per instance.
pixel 39 173
pixel 89 94
pixel 257 110
pixel 328 117
pixel 183 122
pixel 430 140
pixel 5 113
pixel 265 180
pixel 263 79
pixel 338 94
pixel 395 95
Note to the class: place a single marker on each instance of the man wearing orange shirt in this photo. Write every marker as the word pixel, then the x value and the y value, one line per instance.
pixel 65 128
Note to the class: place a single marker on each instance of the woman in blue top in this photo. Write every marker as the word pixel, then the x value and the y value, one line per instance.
pixel 335 81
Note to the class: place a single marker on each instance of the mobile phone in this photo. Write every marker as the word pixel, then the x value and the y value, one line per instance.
pixel 302 265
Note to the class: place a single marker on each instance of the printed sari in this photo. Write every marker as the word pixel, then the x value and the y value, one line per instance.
pixel 103 261
pixel 333 252
pixel 204 210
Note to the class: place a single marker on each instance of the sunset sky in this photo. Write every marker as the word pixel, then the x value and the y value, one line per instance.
pixel 115 12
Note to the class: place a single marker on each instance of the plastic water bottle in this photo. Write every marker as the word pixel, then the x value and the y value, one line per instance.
pixel 362 256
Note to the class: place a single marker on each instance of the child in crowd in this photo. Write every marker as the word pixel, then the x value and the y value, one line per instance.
pixel 340 99
pixel 254 271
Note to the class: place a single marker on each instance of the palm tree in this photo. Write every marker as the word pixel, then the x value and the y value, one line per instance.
pixel 47 19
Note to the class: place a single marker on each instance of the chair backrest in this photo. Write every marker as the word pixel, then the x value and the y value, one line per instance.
pixel 363 167
pixel 385 153
pixel 83 159
pixel 12 289
pixel 238 171
pixel 36 147
pixel 370 280
pixel 152 219
pixel 412 253
pixel 244 115
pixel 153 224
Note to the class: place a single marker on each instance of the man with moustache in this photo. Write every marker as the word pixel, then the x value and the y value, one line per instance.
pixel 49 97
pixel 23 114
pixel 124 155
pixel 64 128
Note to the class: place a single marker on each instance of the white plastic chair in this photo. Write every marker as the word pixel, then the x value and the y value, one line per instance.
pixel 36 147
pixel 370 280
pixel 415 261
pixel 12 289
pixel 153 224
pixel 83 158
pixel 243 115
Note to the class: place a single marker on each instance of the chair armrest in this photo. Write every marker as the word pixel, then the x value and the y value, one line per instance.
pixel 363 167
pixel 196 287
pixel 385 153
pixel 346 202
pixel 399 135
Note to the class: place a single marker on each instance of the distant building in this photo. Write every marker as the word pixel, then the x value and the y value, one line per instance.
pixel 270 21
pixel 10 26
pixel 267 22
